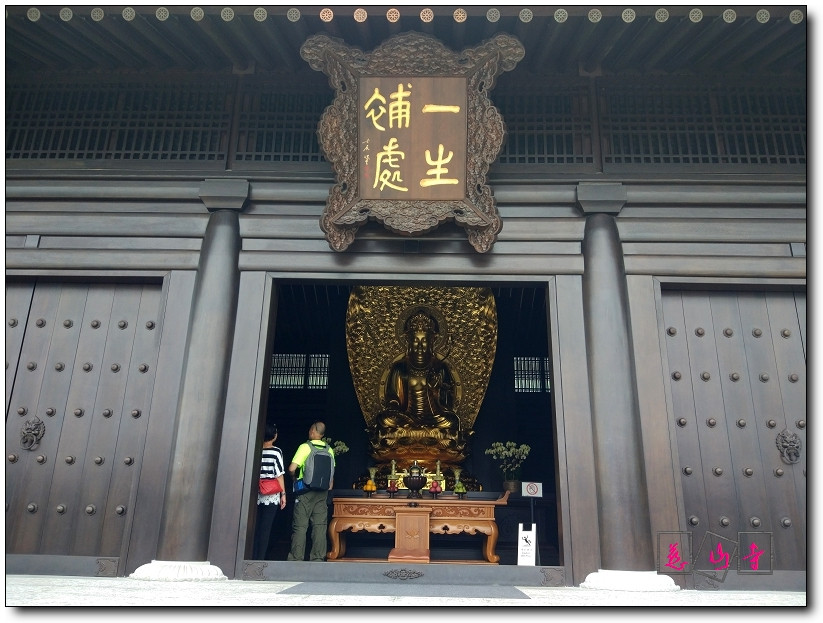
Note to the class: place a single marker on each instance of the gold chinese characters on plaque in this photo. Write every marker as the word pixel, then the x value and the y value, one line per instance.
pixel 412 138
pixel 411 134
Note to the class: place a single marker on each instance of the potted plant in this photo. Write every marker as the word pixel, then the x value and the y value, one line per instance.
pixel 510 457
pixel 338 446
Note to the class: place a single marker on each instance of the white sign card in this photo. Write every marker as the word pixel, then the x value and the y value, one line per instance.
pixel 526 545
pixel 532 489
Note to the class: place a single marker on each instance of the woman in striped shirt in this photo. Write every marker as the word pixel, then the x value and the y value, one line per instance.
pixel 271 466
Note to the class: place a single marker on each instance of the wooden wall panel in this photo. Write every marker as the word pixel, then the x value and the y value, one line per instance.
pixel 60 493
pixel 777 249
pixel 706 379
pixel 18 302
pixel 45 390
pixel 300 227
pixel 574 424
pixel 711 230
pixel 232 527
pixel 800 300
pixel 717 266
pixel 316 191
pixel 792 191
pixel 728 336
pixel 696 211
pixel 42 306
pixel 119 243
pixel 178 288
pixel 58 223
pixel 429 247
pixel 685 444
pixel 662 479
pixel 779 354
pixel 410 266
pixel 113 191
pixel 97 260
pixel 94 205
pixel 70 479
pixel 291 226
pixel 737 375
pixel 131 434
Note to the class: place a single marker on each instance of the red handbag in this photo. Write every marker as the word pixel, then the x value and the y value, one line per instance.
pixel 270 486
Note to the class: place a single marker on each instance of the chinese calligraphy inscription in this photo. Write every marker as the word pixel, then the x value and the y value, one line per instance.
pixel 411 134
pixel 413 138
pixel 752 551
pixel 675 553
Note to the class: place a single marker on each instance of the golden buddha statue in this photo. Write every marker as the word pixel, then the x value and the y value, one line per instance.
pixel 420 359
pixel 418 388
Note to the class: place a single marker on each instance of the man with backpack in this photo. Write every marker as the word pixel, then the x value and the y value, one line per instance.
pixel 313 466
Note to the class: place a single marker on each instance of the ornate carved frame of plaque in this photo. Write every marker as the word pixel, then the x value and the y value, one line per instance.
pixel 405 208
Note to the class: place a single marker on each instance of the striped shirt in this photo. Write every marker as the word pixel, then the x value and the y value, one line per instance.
pixel 271 466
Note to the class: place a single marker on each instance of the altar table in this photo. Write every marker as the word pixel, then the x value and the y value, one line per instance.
pixel 407 518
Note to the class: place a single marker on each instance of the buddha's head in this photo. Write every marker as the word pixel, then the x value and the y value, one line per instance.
pixel 421 331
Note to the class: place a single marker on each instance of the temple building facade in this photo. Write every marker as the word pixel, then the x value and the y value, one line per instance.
pixel 208 227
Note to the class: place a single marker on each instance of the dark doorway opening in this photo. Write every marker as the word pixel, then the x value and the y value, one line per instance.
pixel 310 332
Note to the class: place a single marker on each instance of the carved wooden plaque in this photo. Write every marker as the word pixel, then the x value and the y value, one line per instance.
pixel 411 134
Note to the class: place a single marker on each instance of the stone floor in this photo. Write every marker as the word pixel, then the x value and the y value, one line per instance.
pixel 48 590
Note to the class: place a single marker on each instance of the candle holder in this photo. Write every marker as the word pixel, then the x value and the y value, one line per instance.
pixel 459 487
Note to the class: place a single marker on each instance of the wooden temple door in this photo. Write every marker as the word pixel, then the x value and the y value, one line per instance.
pixel 80 367
pixel 737 366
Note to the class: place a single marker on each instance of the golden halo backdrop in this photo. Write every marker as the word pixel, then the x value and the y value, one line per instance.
pixel 468 339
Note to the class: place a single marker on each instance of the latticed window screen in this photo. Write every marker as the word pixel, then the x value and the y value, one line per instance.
pixel 118 120
pixel 288 371
pixel 546 124
pixel 236 123
pixel 317 376
pixel 531 374
pixel 279 127
pixel 763 128
pixel 695 124
pixel 299 371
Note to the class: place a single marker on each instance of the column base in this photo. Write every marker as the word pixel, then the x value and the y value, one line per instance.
pixel 639 581
pixel 178 571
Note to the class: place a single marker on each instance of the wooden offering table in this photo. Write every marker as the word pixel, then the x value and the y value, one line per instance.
pixel 412 520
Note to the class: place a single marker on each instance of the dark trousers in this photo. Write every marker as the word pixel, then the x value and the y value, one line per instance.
pixel 262 529
pixel 309 508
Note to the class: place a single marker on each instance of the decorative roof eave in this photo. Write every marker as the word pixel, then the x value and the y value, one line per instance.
pixel 592 39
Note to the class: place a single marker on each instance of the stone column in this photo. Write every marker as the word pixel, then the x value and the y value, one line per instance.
pixel 189 497
pixel 623 508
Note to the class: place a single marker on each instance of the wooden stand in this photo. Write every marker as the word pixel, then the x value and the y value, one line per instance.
pixel 412 525
pixel 411 537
